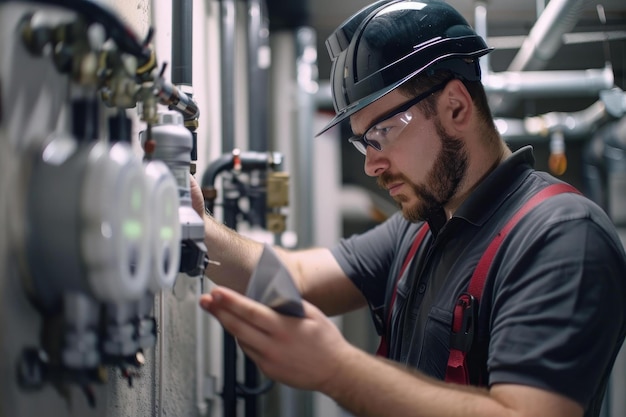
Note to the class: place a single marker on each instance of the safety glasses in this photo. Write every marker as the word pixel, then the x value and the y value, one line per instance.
pixel 388 127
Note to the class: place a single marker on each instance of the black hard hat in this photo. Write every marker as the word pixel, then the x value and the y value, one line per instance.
pixel 387 43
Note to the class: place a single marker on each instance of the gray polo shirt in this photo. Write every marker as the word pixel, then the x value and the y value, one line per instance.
pixel 553 311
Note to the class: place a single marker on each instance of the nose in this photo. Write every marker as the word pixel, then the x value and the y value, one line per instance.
pixel 375 162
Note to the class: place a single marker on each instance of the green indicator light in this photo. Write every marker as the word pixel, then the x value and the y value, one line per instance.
pixel 132 229
pixel 166 233
pixel 135 200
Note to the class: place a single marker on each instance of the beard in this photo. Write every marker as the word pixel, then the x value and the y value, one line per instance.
pixel 442 181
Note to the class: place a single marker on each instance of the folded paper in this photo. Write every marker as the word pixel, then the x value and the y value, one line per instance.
pixel 271 284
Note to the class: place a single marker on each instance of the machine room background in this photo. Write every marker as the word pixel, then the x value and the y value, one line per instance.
pixel 257 73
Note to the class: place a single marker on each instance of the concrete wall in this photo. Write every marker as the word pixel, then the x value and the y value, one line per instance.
pixel 176 376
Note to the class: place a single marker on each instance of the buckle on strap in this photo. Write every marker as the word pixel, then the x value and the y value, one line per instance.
pixel 464 323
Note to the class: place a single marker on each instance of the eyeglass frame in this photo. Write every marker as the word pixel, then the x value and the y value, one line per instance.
pixel 361 143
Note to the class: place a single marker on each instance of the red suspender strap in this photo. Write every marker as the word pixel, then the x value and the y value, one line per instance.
pixel 383 347
pixel 466 308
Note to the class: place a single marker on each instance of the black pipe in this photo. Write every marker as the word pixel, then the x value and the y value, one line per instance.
pixel 258 75
pixel 120 127
pixel 229 394
pixel 182 41
pixel 288 14
pixel 85 119
pixel 228 12
pixel 251 378
pixel 246 162
pixel 182 63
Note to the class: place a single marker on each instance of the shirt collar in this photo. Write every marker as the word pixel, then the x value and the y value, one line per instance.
pixel 496 187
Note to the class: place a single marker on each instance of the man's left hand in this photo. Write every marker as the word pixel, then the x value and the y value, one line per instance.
pixel 305 353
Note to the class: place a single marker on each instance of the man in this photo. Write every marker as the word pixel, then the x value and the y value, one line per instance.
pixel 551 314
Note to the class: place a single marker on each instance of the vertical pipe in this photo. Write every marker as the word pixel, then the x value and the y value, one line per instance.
pixel 258 78
pixel 480 24
pixel 258 64
pixel 543 41
pixel 229 389
pixel 227 66
pixel 306 77
pixel 201 402
pixel 227 48
pixel 182 38
pixel 161 360
pixel 182 75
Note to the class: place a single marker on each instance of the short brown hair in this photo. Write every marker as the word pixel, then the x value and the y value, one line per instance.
pixel 424 81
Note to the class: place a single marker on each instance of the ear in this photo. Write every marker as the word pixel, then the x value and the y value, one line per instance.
pixel 457 106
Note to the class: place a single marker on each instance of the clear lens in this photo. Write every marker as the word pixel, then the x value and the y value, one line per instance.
pixel 389 127
pixel 358 144
pixel 385 132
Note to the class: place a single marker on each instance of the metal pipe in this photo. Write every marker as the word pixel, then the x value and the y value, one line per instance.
pixel 258 78
pixel 182 76
pixel 182 41
pixel 525 84
pixel 306 77
pixel 480 24
pixel 507 84
pixel 545 38
pixel 543 41
pixel 176 99
pixel 258 88
pixel 162 347
pixel 227 52
pixel 576 125
pixel 201 402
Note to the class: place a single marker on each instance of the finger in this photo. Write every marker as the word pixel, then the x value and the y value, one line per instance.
pixel 197 199
pixel 246 309
pixel 205 301
pixel 246 333
pixel 251 351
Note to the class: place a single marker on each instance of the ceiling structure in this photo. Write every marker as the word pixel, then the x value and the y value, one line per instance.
pixel 598 35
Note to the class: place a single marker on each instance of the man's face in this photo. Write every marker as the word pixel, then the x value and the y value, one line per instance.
pixel 422 167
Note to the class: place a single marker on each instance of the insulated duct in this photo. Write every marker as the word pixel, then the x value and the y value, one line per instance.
pixel 543 41
pixel 546 37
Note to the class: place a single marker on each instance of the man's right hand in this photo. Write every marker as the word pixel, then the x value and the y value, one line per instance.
pixel 197 199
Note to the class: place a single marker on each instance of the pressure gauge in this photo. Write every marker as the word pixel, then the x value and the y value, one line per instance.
pixel 115 223
pixel 87 222
pixel 165 228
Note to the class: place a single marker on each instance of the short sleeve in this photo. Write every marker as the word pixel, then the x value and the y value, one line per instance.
pixel 558 311
pixel 369 258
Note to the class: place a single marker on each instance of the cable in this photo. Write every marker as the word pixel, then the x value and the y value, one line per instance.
pixel 114 28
